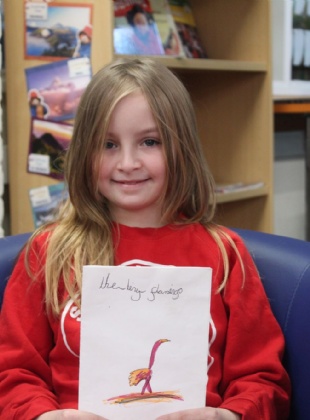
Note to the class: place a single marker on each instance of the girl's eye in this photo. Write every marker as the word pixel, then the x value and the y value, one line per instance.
pixel 109 144
pixel 151 142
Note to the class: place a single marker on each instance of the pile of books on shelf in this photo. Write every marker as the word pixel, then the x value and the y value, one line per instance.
pixel 156 27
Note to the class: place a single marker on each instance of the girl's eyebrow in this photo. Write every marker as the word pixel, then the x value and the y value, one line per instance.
pixel 150 130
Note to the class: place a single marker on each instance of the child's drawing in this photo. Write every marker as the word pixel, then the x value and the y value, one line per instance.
pixel 136 376
pixel 145 374
pixel 150 356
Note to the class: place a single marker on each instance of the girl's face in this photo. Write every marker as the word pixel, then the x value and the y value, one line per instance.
pixel 132 174
pixel 84 38
pixel 141 24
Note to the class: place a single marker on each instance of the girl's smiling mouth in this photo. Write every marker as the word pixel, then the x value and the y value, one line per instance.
pixel 133 182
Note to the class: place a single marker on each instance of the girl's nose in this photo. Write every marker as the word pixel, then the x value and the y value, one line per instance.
pixel 129 160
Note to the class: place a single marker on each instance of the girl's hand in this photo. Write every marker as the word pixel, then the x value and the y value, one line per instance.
pixel 205 413
pixel 69 414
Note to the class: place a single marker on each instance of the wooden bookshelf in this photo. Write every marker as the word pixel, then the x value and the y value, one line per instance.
pixel 180 63
pixel 231 92
pixel 241 195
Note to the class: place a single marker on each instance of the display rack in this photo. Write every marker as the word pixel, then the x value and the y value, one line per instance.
pixel 284 85
pixel 231 92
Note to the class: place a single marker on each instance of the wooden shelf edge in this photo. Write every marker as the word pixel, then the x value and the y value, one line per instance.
pixel 241 195
pixel 292 107
pixel 208 64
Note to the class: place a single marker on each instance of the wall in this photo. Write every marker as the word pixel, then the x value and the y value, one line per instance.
pixel 290 216
pixel 289 199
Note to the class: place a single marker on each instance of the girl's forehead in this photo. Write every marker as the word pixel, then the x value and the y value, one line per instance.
pixel 132 109
pixel 130 97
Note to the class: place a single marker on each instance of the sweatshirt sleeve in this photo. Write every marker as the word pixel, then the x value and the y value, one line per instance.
pixel 255 383
pixel 26 340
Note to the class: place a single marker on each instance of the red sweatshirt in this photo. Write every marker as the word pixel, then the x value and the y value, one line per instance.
pixel 39 364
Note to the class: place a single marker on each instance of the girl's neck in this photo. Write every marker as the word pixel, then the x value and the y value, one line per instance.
pixel 138 222
pixel 144 219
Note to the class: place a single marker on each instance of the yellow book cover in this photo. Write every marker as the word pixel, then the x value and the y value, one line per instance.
pixel 167 29
pixel 186 25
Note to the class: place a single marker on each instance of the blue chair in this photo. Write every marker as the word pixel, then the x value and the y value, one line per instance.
pixel 10 246
pixel 284 267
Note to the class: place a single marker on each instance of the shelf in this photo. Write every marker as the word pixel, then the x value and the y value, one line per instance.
pixel 291 107
pixel 209 64
pixel 241 195
pixel 291 89
pixel 283 85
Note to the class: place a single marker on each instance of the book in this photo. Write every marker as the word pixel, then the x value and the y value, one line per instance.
pixel 167 29
pixel 135 30
pixel 53 31
pixel 54 90
pixel 48 143
pixel 185 22
pixel 237 187
pixel 46 202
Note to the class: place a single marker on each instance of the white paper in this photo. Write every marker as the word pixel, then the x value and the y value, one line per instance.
pixel 79 67
pixel 40 196
pixel 39 163
pixel 36 11
pixel 125 311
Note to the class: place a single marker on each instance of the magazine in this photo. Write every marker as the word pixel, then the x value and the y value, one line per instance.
pixel 186 25
pixel 135 30
pixel 167 29
pixel 46 202
pixel 55 89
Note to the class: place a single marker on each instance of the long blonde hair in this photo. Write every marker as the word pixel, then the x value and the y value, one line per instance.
pixel 82 233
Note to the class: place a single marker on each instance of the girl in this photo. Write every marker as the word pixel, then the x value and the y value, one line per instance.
pixel 139 189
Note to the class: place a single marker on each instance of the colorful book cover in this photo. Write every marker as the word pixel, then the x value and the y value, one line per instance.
pixel 135 30
pixel 167 29
pixel 55 31
pixel 46 202
pixel 187 29
pixel 48 143
pixel 55 89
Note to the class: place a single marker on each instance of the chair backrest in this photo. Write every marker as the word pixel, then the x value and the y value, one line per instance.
pixel 10 247
pixel 284 266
